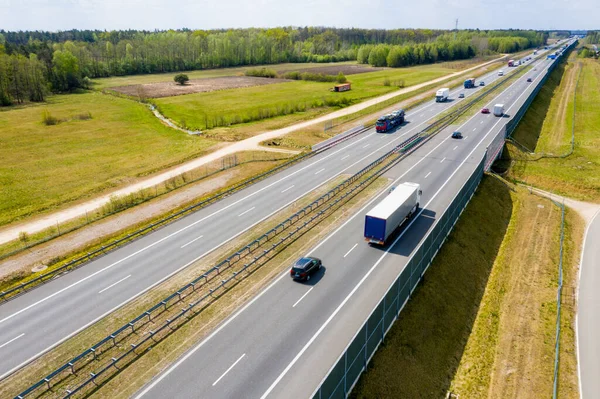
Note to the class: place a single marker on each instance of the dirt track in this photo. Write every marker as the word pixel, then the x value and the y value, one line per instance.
pixel 169 89
pixel 335 69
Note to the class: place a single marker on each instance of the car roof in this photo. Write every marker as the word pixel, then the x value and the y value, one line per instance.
pixel 304 261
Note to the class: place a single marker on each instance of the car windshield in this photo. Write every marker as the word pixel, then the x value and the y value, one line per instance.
pixel 301 264
pixel 380 123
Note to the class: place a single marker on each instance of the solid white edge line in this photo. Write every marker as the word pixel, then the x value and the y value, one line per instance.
pixel 289 188
pixel 350 250
pixel 289 366
pixel 12 340
pixel 217 246
pixel 194 240
pixel 113 284
pixel 283 274
pixel 577 303
pixel 192 224
pixel 246 211
pixel 302 297
pixel 228 370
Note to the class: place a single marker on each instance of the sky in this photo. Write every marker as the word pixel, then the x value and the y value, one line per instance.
pixel 53 15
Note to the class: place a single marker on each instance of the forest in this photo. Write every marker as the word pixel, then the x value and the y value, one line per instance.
pixel 33 64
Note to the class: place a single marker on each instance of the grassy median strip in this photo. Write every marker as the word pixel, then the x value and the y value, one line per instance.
pixel 250 165
pixel 305 138
pixel 482 323
pixel 111 355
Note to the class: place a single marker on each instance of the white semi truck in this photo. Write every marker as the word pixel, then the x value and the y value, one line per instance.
pixel 442 95
pixel 401 204
pixel 498 109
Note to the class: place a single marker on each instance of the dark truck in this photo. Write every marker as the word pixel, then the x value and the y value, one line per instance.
pixel 389 121
pixel 470 83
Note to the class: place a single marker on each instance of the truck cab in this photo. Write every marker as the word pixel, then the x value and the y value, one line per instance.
pixel 383 124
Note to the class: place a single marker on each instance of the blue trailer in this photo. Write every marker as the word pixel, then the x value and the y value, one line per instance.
pixel 470 83
pixel 401 204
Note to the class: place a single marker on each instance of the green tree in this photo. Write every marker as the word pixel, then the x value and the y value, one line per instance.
pixel 181 78
pixel 66 70
pixel 341 78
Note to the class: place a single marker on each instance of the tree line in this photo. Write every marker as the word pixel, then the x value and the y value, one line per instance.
pixel 34 63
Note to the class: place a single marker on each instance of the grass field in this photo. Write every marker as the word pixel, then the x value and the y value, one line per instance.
pixel 546 129
pixel 103 83
pixel 202 110
pixel 45 166
pixel 482 323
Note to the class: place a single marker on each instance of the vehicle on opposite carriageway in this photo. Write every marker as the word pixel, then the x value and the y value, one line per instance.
pixel 387 122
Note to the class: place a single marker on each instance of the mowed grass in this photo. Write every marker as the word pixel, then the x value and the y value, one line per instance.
pixel 199 110
pixel 482 324
pixel 103 83
pixel 422 350
pixel 45 166
pixel 546 129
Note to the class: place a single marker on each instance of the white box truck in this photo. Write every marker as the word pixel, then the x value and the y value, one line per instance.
pixel 499 109
pixel 442 95
pixel 391 212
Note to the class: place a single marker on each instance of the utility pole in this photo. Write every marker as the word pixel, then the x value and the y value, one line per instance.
pixel 455 28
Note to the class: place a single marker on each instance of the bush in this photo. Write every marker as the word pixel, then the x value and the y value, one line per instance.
pixel 84 116
pixel 48 119
pixel 387 82
pixel 261 73
pixel 341 78
pixel 181 78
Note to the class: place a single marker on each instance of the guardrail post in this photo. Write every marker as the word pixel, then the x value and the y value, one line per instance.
pixel 94 353
pixel 149 316
pixel 71 367
pixel 93 378
pixel 112 336
pixel 132 327
pixel 47 382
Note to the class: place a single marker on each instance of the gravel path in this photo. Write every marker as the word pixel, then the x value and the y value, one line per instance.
pixel 34 225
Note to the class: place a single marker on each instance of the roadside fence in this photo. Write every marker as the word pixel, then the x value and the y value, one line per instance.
pixel 345 372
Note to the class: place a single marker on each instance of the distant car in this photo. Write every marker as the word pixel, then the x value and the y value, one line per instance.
pixel 304 267
pixel 529 80
pixel 535 69
pixel 461 95
pixel 457 135
pixel 482 83
pixel 485 110
pixel 500 73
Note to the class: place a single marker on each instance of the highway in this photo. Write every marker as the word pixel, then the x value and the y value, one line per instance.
pixel 36 321
pixel 284 341
pixel 588 312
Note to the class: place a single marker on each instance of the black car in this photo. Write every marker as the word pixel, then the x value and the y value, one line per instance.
pixel 304 267
pixel 529 80
pixel 482 83
pixel 457 135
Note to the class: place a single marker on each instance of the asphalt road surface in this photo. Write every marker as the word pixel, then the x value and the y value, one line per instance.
pixel 283 342
pixel 42 318
pixel 588 313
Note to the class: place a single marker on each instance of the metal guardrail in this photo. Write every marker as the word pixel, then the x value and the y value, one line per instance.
pixel 75 263
pixel 133 327
pixel 212 274
pixel 337 138
pixel 345 372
